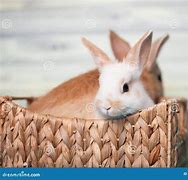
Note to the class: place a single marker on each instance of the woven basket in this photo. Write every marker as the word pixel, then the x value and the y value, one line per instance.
pixel 154 137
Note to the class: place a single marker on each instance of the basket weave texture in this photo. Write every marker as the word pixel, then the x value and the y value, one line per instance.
pixel 155 137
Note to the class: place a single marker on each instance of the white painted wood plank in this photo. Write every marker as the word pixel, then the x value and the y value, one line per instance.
pixel 20 4
pixel 67 47
pixel 47 34
pixel 23 62
pixel 93 19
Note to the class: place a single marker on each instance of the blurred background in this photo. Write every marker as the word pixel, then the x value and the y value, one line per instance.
pixel 40 43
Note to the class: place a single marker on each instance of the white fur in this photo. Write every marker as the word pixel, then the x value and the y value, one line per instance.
pixel 110 90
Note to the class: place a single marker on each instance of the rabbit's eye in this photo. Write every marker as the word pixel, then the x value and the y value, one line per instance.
pixel 159 77
pixel 125 87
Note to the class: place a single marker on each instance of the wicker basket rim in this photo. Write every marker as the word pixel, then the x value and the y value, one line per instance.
pixel 10 99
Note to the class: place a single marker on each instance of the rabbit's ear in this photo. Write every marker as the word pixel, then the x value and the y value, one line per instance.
pixel 155 49
pixel 138 55
pixel 119 46
pixel 100 58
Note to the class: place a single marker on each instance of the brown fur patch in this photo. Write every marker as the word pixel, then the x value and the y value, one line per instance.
pixel 70 98
pixel 152 85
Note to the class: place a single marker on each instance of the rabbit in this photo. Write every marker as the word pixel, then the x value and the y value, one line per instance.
pixel 120 93
pixel 151 76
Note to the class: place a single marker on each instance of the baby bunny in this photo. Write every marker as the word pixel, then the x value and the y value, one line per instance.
pixel 151 76
pixel 75 97
pixel 121 91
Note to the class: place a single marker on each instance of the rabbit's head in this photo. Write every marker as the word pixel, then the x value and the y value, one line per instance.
pixel 121 91
pixel 151 75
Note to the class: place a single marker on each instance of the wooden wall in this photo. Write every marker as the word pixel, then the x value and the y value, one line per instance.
pixel 40 43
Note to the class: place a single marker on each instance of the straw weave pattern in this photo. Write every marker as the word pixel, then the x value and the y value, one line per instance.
pixel 150 138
